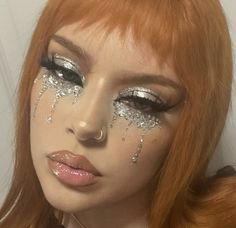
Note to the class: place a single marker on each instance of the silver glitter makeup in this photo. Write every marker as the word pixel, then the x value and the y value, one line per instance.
pixel 76 92
pixel 139 149
pixel 114 118
pixel 141 120
pixel 126 130
pixel 61 87
pixel 57 81
pixel 138 118
pixel 42 91
pixel 68 64
pixel 140 92
pixel 53 107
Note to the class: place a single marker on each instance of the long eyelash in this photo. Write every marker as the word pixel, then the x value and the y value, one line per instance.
pixel 156 107
pixel 43 60
pixel 52 66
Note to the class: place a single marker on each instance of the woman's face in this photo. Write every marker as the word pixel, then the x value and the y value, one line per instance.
pixel 88 85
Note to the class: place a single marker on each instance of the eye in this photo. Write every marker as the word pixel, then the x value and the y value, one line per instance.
pixel 63 68
pixel 143 100
pixel 144 105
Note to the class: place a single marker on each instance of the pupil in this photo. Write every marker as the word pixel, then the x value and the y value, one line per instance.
pixel 142 105
pixel 69 76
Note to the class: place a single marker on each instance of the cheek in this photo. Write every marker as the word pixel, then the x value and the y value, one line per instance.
pixel 159 142
pixel 41 100
pixel 157 148
pixel 119 155
pixel 125 176
pixel 114 160
pixel 156 145
pixel 124 141
pixel 42 131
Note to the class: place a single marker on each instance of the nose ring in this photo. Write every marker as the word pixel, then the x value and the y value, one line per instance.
pixel 100 137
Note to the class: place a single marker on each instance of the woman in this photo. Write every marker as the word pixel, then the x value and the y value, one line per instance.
pixel 121 106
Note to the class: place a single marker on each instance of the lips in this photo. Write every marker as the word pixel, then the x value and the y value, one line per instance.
pixel 74 161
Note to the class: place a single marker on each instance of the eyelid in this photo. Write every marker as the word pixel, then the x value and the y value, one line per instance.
pixel 68 64
pixel 142 93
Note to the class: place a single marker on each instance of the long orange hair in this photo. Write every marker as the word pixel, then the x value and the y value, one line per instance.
pixel 195 34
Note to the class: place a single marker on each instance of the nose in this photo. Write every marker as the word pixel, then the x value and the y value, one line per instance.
pixel 85 131
pixel 90 116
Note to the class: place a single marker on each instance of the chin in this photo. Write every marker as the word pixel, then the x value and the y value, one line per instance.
pixel 66 199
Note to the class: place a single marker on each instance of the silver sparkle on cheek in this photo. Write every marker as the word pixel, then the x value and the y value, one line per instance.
pixel 138 118
pixel 61 87
pixel 114 118
pixel 139 149
pixel 141 120
pixel 42 91
pixel 127 128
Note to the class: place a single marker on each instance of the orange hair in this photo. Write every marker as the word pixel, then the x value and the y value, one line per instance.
pixel 196 37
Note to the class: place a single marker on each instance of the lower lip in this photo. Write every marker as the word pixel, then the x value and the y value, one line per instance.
pixel 71 176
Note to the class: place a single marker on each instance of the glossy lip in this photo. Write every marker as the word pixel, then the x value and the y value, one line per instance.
pixel 75 161
pixel 70 176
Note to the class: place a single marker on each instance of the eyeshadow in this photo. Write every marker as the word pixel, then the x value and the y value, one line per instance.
pixel 68 64
pixel 142 93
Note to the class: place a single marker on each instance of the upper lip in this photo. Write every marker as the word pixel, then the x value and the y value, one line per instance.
pixel 75 161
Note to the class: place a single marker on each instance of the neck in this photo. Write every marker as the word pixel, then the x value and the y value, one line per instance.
pixel 128 213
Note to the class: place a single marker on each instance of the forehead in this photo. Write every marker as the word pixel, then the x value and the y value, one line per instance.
pixel 119 52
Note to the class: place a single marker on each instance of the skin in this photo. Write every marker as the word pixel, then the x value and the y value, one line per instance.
pixel 119 198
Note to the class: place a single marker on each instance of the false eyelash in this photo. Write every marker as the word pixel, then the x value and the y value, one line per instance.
pixel 136 102
pixel 130 101
pixel 60 71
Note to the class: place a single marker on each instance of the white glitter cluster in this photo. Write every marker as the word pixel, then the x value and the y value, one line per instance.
pixel 65 88
pixel 62 87
pixel 136 117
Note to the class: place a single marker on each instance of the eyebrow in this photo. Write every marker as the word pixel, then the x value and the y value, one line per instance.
pixel 128 77
pixel 75 49
pixel 150 78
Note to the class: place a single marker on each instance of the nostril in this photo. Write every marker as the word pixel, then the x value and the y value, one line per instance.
pixel 69 130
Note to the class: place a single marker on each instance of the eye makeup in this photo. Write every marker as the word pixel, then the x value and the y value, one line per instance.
pixel 66 63
pixel 64 68
pixel 143 99
pixel 139 106
pixel 63 77
pixel 141 92
pixel 137 117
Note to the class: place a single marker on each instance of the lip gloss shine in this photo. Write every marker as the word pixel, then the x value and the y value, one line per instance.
pixel 71 176
pixel 72 169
